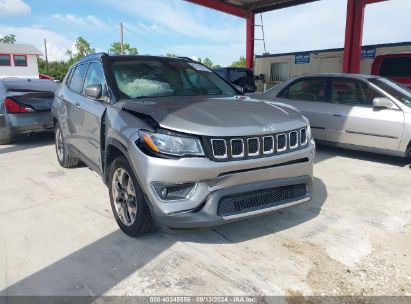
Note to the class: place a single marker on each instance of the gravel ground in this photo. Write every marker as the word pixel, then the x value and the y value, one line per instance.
pixel 58 236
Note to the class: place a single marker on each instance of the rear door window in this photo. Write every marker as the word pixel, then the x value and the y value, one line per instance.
pixel 396 67
pixel 76 82
pixel 352 92
pixel 313 89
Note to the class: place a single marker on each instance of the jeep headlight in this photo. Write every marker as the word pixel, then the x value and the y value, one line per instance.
pixel 171 144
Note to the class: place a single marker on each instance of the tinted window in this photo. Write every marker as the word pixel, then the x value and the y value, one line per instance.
pixel 95 75
pixel 306 89
pixel 240 77
pixel 396 67
pixel 4 60
pixel 220 72
pixel 76 82
pixel 151 78
pixel 20 60
pixel 350 91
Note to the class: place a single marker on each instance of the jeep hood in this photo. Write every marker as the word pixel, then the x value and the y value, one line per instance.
pixel 233 116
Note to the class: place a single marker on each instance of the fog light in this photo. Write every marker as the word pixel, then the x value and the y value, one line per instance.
pixel 172 192
pixel 164 193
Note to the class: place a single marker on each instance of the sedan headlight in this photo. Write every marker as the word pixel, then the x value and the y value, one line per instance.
pixel 170 144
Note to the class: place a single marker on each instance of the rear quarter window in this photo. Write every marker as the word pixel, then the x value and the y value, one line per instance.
pixel 396 67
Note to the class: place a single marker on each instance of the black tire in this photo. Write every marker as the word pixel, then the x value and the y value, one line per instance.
pixel 65 159
pixel 4 141
pixel 143 222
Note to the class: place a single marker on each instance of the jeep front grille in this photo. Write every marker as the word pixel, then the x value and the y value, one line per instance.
pixel 260 199
pixel 235 148
pixel 219 148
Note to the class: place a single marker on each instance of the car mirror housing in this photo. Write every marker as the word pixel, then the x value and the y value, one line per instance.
pixel 239 88
pixel 93 91
pixel 382 102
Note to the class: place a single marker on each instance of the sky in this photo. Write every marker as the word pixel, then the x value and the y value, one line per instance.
pixel 158 27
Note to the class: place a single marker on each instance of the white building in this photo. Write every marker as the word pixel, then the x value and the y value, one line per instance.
pixel 19 60
pixel 274 68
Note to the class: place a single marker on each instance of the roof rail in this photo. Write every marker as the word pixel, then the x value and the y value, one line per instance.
pixel 186 58
pixel 98 55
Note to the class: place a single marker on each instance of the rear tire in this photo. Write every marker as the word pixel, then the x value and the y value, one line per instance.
pixel 127 200
pixel 63 156
pixel 4 141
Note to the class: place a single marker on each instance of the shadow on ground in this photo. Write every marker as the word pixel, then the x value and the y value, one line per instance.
pixel 96 268
pixel 325 152
pixel 28 142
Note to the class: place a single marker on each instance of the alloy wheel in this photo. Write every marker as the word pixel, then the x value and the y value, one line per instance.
pixel 59 145
pixel 124 196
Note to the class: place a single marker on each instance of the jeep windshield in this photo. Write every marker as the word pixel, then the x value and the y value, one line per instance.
pixel 162 78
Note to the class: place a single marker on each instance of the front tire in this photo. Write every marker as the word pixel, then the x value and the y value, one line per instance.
pixel 63 156
pixel 129 207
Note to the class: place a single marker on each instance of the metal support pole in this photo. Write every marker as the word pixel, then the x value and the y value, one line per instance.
pixel 357 37
pixel 353 34
pixel 249 58
pixel 121 39
pixel 45 54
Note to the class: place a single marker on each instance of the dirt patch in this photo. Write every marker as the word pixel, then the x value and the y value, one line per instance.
pixel 385 272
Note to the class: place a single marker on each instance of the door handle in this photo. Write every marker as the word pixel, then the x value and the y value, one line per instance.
pixel 337 115
pixel 77 104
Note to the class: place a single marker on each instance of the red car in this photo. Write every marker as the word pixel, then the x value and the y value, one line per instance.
pixel 394 66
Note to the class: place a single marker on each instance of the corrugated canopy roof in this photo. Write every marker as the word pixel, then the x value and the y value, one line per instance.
pixel 260 6
pixel 14 48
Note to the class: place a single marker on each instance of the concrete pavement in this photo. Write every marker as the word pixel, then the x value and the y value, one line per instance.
pixel 58 235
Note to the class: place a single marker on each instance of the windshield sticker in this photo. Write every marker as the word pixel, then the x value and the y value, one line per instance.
pixel 199 67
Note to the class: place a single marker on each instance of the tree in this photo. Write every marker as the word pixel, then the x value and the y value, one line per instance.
pixel 171 55
pixel 115 49
pixel 8 39
pixel 55 69
pixel 82 48
pixel 240 63
pixel 208 63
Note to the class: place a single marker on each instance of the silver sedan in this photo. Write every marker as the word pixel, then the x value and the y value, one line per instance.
pixel 25 107
pixel 361 112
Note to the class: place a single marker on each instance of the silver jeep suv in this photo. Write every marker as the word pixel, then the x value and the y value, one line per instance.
pixel 177 145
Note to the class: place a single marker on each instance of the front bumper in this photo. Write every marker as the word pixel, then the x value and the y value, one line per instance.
pixel 218 179
pixel 208 214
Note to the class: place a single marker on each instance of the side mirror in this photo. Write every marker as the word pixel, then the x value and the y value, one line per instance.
pixel 93 91
pixel 382 102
